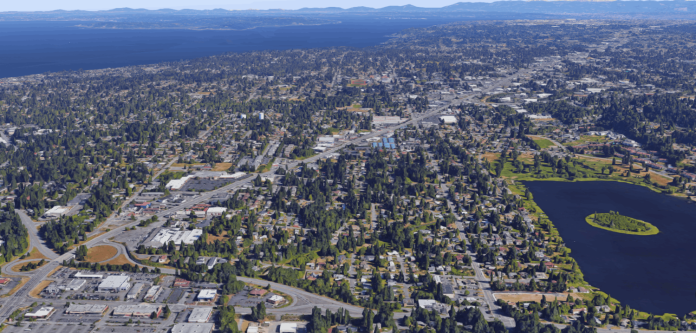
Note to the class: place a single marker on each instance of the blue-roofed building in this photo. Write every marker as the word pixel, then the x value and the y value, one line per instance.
pixel 391 140
pixel 374 145
pixel 380 145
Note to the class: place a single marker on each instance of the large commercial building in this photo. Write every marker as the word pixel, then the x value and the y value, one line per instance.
pixel 133 293
pixel 152 294
pixel 115 283
pixel 80 275
pixel 448 119
pixel 207 295
pixel 166 235
pixel 141 310
pixel 193 328
pixel 99 309
pixel 42 313
pixel 386 120
pixel 74 284
pixel 200 315
pixel 287 328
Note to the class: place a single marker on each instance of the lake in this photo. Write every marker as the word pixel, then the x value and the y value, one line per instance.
pixel 39 47
pixel 651 273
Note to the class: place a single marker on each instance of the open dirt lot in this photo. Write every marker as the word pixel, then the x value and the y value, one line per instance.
pixel 101 253
pixel 120 260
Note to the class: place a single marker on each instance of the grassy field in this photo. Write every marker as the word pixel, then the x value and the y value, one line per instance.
pixel 101 253
pixel 212 238
pixel 42 285
pixel 222 166
pixel 585 139
pixel 218 166
pixel 120 260
pixel 16 268
pixel 543 143
pixel 586 168
pixel 35 254
pixel 652 231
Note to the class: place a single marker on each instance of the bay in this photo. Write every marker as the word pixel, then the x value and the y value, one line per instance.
pixel 39 46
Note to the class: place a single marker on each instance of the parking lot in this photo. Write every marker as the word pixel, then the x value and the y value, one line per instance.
pixel 243 299
pixel 61 317
pixel 89 290
pixel 6 288
pixel 205 184
pixel 49 328
pixel 175 295
pixel 124 329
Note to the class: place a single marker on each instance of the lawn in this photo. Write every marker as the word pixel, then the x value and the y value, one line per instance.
pixel 18 267
pixel 35 254
pixel 101 253
pixel 543 143
pixel 585 139
pixel 586 169
pixel 222 166
pixel 212 238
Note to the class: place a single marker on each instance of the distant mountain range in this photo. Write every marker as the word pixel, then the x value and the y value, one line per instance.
pixel 678 7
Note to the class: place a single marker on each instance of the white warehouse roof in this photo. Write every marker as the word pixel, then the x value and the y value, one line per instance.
pixel 207 294
pixel 115 282
pixel 448 119
pixel 200 315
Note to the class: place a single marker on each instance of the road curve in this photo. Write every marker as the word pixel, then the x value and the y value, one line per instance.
pixel 34 240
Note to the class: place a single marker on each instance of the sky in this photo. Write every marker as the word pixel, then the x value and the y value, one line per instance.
pixel 46 5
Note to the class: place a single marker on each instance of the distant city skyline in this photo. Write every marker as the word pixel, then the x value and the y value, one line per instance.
pixel 46 5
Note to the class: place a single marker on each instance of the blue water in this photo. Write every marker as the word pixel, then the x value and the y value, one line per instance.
pixel 650 273
pixel 39 47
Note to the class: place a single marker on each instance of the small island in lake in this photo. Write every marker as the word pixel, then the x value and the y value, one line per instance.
pixel 613 221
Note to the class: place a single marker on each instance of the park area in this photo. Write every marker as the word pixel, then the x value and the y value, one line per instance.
pixel 542 142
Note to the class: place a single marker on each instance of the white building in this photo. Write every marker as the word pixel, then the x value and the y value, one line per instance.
pixel 287 328
pixel 166 235
pixel 215 211
pixel 448 119
pixel 88 276
pixel 200 315
pixel 152 294
pixel 115 283
pixel 42 313
pixel 207 295
pixel 73 285
pixel 386 120
pixel 176 184
pixel 99 309
pixel 57 211
pixel 193 328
